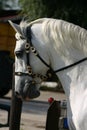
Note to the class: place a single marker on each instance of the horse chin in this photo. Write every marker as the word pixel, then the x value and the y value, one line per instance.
pixel 30 91
pixel 26 90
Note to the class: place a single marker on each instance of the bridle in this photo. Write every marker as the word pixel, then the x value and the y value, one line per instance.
pixel 30 48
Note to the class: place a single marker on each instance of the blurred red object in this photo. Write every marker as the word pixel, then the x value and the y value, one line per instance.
pixel 50 100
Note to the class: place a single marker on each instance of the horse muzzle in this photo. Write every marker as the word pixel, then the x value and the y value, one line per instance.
pixel 29 91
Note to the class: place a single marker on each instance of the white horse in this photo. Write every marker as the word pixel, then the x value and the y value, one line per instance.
pixel 50 43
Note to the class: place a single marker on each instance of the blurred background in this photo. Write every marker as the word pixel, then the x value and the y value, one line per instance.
pixel 71 10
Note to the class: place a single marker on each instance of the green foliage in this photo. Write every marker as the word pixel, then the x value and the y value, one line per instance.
pixel 32 8
pixel 72 11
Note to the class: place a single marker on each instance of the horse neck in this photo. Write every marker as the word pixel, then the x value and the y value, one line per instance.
pixel 73 77
pixel 70 78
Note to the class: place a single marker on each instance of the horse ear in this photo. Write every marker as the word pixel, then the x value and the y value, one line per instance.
pixel 15 26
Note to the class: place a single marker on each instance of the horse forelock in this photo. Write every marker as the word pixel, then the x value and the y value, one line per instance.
pixel 24 24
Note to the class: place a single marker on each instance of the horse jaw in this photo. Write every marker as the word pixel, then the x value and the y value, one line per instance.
pixel 16 27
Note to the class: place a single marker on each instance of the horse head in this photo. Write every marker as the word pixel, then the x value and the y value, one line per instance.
pixel 29 69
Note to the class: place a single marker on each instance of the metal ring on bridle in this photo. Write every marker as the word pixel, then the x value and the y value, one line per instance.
pixel 29 70
pixel 43 78
pixel 33 50
pixel 27 47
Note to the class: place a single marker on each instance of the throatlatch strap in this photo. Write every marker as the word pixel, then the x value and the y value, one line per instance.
pixel 69 66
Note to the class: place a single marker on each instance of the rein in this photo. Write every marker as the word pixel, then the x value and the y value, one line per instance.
pixel 71 65
pixel 29 47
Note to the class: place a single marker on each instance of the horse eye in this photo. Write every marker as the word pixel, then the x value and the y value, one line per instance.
pixel 19 54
